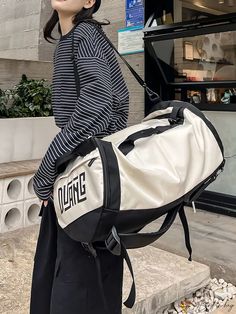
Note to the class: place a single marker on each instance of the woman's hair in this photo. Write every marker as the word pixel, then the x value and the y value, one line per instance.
pixel 83 15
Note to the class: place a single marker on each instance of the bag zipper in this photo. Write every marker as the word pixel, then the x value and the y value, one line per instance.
pixel 91 161
pixel 208 181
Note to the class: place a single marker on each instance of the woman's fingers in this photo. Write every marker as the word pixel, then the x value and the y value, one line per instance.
pixel 45 203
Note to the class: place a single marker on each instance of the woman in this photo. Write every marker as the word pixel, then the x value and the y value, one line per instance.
pixel 64 276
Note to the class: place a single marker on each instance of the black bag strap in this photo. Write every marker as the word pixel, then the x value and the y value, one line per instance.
pixel 184 221
pixel 81 150
pixel 132 295
pixel 153 96
pixel 90 248
pixel 77 80
pixel 118 243
pixel 122 252
pixel 128 144
pixel 137 240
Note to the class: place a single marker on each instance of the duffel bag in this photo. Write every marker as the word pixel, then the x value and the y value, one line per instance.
pixel 135 175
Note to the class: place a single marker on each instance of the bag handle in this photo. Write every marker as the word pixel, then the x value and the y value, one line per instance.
pixel 153 96
pixel 128 144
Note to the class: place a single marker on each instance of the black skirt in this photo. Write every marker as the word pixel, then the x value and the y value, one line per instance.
pixel 65 276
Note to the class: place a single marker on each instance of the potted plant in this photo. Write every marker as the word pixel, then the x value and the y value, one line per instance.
pixel 26 120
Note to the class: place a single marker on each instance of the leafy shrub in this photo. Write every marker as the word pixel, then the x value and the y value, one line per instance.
pixel 29 98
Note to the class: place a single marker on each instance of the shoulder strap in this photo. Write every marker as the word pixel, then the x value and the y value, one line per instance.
pixel 153 96
pixel 77 81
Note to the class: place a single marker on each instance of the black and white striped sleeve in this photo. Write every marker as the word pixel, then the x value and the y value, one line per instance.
pixel 91 116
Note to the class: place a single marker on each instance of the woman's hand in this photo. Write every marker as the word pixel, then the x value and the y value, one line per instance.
pixel 45 203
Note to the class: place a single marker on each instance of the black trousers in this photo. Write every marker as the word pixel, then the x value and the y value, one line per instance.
pixel 65 278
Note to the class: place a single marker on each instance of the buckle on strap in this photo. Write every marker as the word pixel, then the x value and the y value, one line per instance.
pixel 113 242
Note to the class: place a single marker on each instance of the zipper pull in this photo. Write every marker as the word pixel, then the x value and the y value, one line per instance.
pixel 91 161
pixel 194 207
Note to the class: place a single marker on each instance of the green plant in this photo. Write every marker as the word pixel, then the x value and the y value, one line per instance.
pixel 29 98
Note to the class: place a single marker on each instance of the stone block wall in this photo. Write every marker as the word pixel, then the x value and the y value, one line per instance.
pixel 19 206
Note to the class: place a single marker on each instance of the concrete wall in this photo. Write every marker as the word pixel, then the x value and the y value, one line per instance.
pixel 25 138
pixel 12 70
pixel 19 24
pixel 45 49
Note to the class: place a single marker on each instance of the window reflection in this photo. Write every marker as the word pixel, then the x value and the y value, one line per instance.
pixel 210 57
pixel 189 10
pixel 208 96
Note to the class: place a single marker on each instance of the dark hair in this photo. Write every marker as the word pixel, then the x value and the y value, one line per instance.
pixel 83 15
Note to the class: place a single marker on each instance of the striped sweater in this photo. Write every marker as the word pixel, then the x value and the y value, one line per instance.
pixel 101 108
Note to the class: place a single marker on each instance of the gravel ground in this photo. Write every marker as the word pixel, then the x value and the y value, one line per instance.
pixel 206 300
pixel 17 250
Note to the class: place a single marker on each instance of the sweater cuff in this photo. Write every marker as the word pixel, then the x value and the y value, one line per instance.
pixel 43 193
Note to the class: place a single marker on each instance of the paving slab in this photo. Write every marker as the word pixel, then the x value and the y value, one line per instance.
pixel 213 239
pixel 161 277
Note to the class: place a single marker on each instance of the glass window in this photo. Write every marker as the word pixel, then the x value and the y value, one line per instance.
pixel 193 43
pixel 190 10
pixel 209 57
pixel 197 60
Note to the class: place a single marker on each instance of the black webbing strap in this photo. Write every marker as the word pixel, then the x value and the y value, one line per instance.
pixel 186 231
pixel 63 161
pixel 119 243
pixel 153 96
pixel 132 295
pixel 77 80
pixel 137 240
pixel 176 114
pixel 128 144
pixel 123 252
pixel 100 283
pixel 90 248
pixel 85 147
pixel 130 241
pixel 82 149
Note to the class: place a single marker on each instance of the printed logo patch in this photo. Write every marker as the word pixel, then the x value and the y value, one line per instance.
pixel 72 193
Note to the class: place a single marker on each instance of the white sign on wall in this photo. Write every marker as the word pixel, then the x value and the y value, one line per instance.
pixel 130 40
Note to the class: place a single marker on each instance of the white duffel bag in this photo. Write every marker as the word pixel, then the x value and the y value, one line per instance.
pixel 136 175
